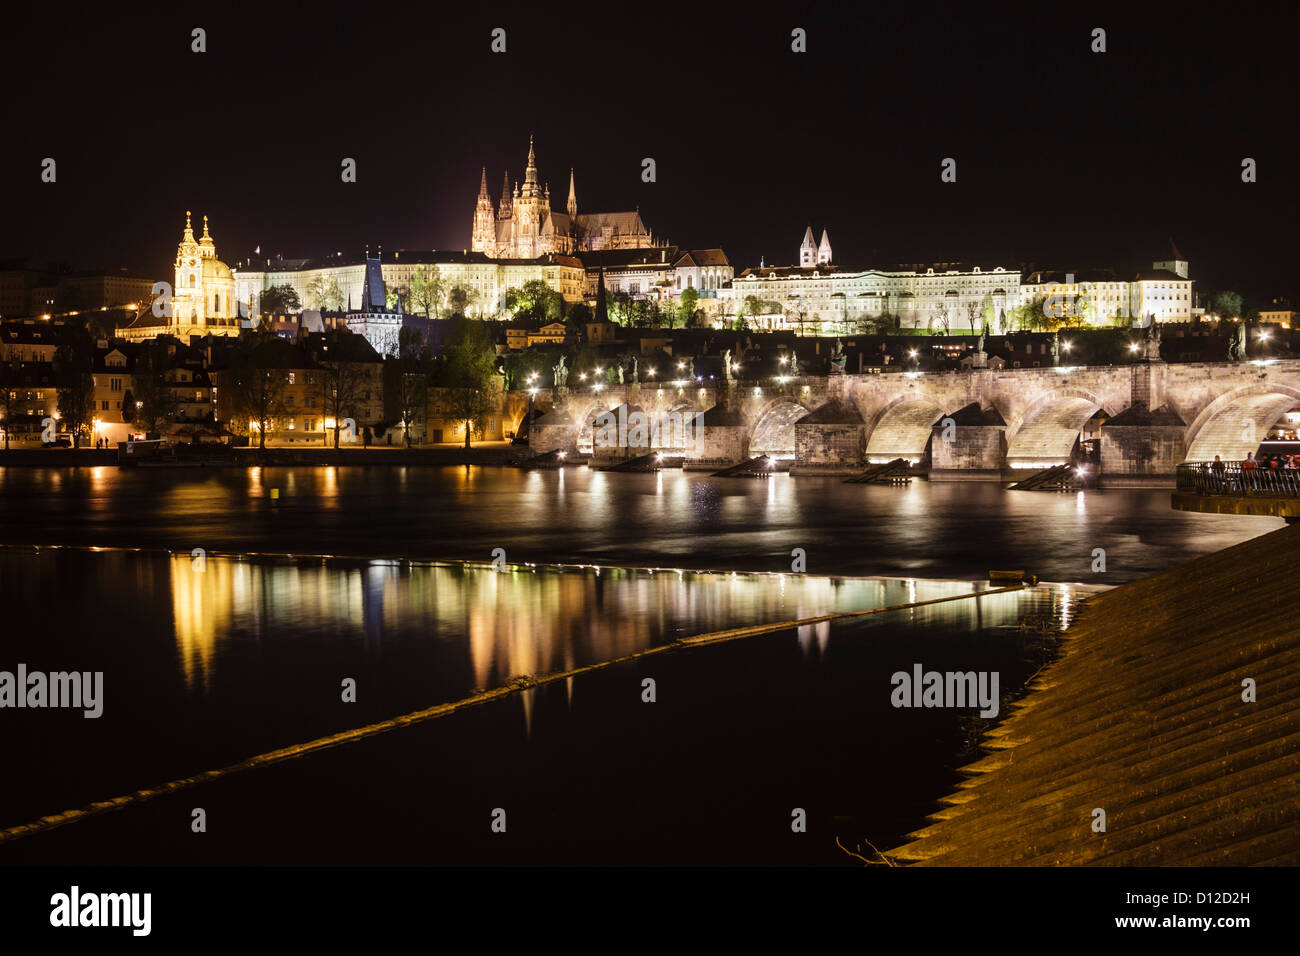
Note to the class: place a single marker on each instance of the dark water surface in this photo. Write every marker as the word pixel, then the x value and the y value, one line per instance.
pixel 207 662
pixel 667 519
pixel 205 668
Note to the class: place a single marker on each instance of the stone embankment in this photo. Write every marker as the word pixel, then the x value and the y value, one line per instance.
pixel 1146 717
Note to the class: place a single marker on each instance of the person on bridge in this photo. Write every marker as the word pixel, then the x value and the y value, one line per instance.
pixel 1248 469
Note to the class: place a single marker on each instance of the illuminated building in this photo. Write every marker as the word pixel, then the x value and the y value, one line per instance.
pixel 524 226
pixel 202 298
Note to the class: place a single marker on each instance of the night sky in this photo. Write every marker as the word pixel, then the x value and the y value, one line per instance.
pixel 1066 158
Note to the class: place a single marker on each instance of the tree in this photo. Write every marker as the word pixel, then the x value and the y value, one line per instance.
pixel 579 315
pixel 325 294
pixel 342 377
pixel 410 379
pixel 280 300
pixel 257 382
pixel 427 290
pixel 398 297
pixel 155 403
pixel 974 312
pixel 469 371
pixel 536 301
pixel 1227 304
pixel 1031 316
pixel 690 299
pixel 74 379
pixel 460 298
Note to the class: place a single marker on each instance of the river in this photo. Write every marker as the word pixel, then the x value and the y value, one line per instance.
pixel 214 656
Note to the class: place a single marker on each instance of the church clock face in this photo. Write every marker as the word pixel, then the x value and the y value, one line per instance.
pixel 193 263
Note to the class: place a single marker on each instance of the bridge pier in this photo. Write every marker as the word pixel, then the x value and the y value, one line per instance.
pixel 1142 448
pixel 970 447
pixel 830 440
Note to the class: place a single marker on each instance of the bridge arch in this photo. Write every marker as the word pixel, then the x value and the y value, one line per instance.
pixel 584 420
pixel 773 431
pixel 903 429
pixel 1235 423
pixel 673 428
pixel 1050 426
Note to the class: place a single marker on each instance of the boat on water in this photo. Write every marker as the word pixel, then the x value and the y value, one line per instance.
pixel 160 453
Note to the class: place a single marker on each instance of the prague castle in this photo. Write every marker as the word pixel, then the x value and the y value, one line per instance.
pixel 524 226
pixel 202 299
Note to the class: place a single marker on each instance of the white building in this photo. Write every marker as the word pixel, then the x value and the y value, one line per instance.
pixel 485 280
pixel 819 296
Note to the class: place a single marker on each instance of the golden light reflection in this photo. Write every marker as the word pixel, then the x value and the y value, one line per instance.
pixel 517 622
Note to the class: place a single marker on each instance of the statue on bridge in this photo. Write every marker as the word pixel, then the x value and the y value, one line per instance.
pixel 726 365
pixel 1237 347
pixel 838 358
pixel 1151 341
pixel 561 373
pixel 620 373
pixel 635 373
pixel 1056 347
pixel 981 358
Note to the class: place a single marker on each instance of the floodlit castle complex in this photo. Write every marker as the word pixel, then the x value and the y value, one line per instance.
pixel 524 226
pixel 818 295
pixel 521 239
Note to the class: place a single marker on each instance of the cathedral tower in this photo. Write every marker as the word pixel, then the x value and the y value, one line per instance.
pixel 503 211
pixel 484 235
pixel 807 250
pixel 573 198
pixel 824 250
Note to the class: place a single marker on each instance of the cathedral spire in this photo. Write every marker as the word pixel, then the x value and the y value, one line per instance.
pixel 482 186
pixel 530 172
pixel 573 197
pixel 503 210
pixel 189 232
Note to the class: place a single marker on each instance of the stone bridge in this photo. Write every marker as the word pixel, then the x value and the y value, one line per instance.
pixel 980 423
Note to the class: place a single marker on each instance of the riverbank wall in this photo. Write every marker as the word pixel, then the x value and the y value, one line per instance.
pixel 1166 734
pixel 488 453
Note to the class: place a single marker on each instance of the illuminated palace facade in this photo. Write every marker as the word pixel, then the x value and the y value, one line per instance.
pixel 818 295
pixel 523 225
pixel 485 278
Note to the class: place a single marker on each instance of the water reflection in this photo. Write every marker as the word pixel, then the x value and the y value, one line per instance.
pixel 511 623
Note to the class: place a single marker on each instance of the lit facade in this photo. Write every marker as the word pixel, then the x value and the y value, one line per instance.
pixel 486 279
pixel 523 225
pixel 202 300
